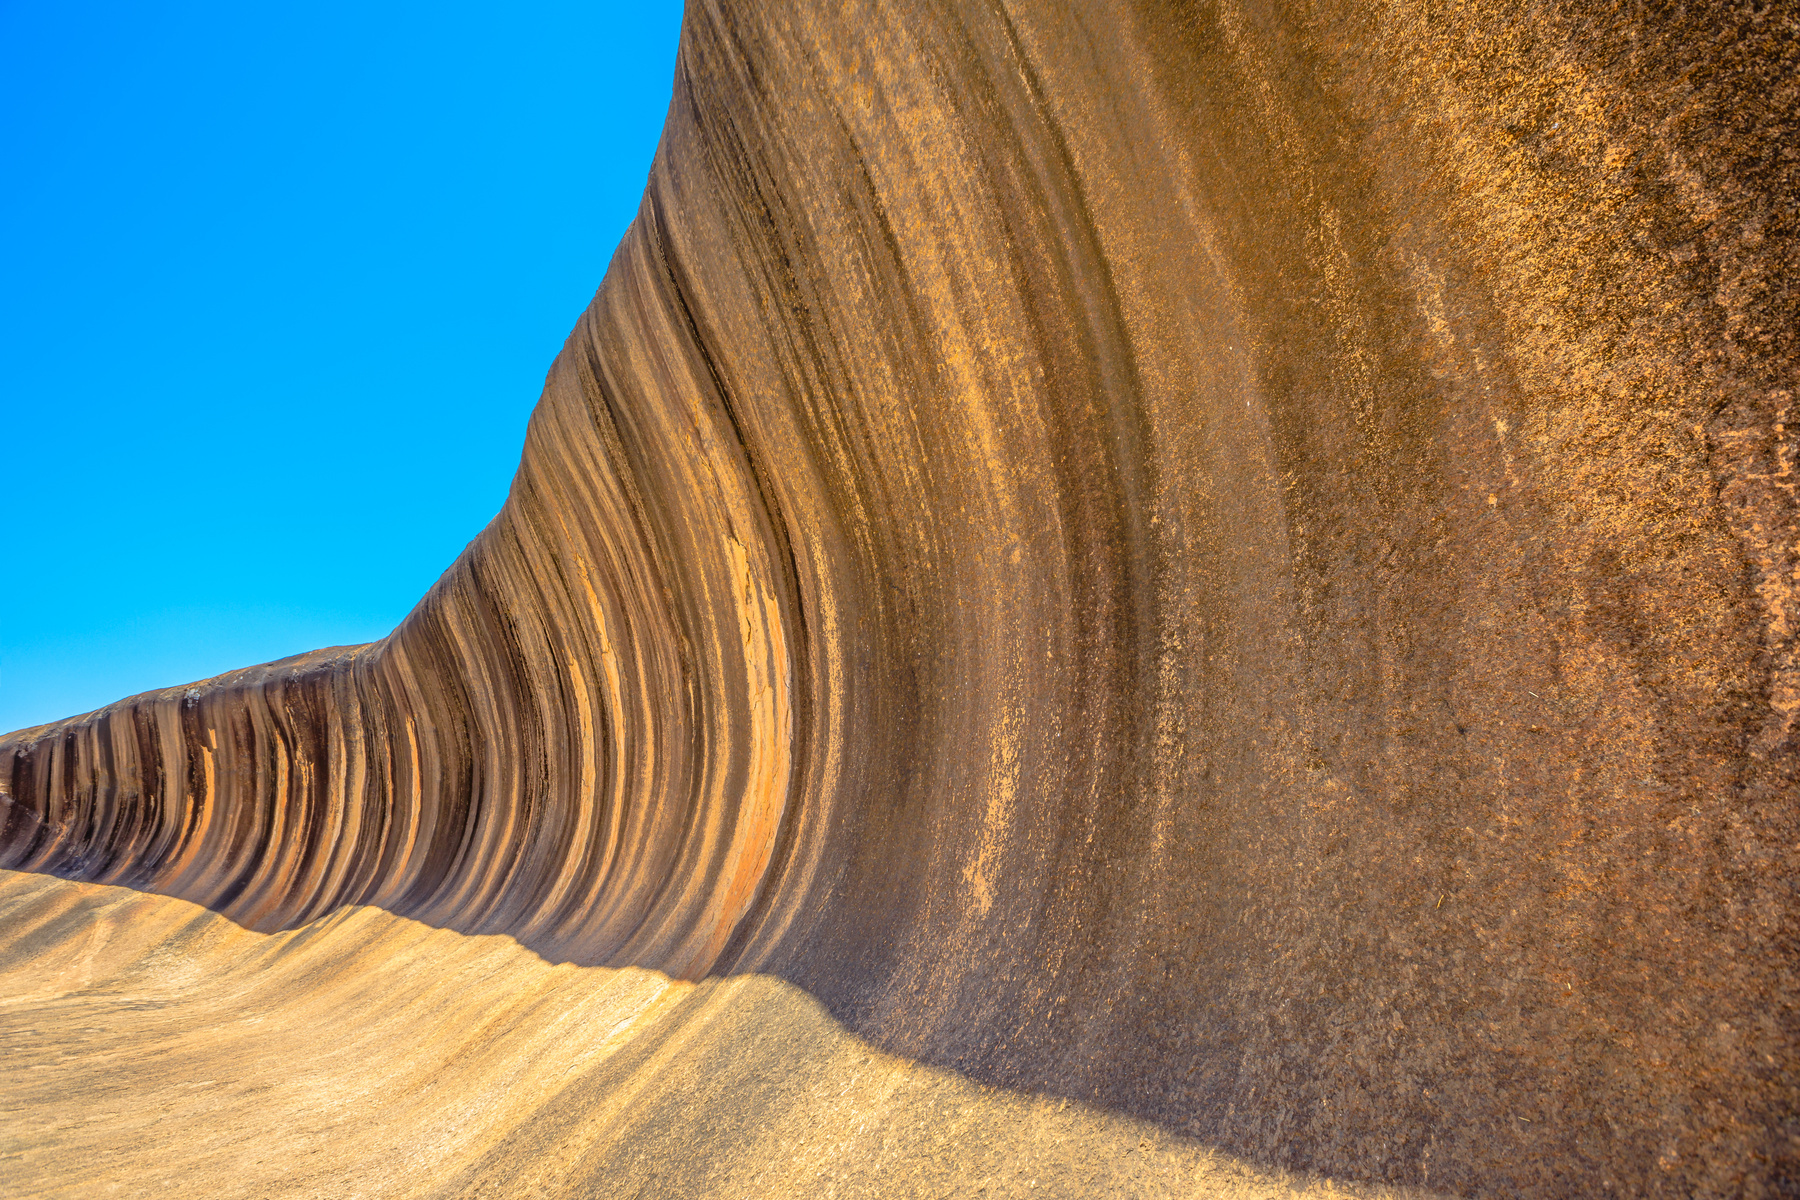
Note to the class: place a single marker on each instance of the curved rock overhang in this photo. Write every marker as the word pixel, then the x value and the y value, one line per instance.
pixel 1231 562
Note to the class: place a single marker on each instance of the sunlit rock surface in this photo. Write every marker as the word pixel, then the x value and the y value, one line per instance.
pixel 1214 583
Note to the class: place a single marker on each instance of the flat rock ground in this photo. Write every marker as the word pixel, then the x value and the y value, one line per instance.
pixel 150 1047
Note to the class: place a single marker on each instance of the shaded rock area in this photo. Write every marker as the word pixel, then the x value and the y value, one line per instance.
pixel 1232 565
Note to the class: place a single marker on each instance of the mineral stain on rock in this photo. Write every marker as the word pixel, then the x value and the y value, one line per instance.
pixel 1110 598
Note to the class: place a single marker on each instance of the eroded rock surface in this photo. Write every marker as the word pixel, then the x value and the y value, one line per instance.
pixel 1231 564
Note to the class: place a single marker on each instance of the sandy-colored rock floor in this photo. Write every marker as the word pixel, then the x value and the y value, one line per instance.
pixel 150 1047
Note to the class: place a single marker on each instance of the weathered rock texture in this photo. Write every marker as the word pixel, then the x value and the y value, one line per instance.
pixel 1234 563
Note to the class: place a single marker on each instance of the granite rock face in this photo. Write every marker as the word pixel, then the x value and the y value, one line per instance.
pixel 1237 564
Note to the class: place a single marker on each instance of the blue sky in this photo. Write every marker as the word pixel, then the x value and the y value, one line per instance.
pixel 281 284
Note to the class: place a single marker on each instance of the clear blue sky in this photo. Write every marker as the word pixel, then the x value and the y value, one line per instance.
pixel 280 287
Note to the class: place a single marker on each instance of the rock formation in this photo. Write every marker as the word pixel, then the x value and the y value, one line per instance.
pixel 1229 564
